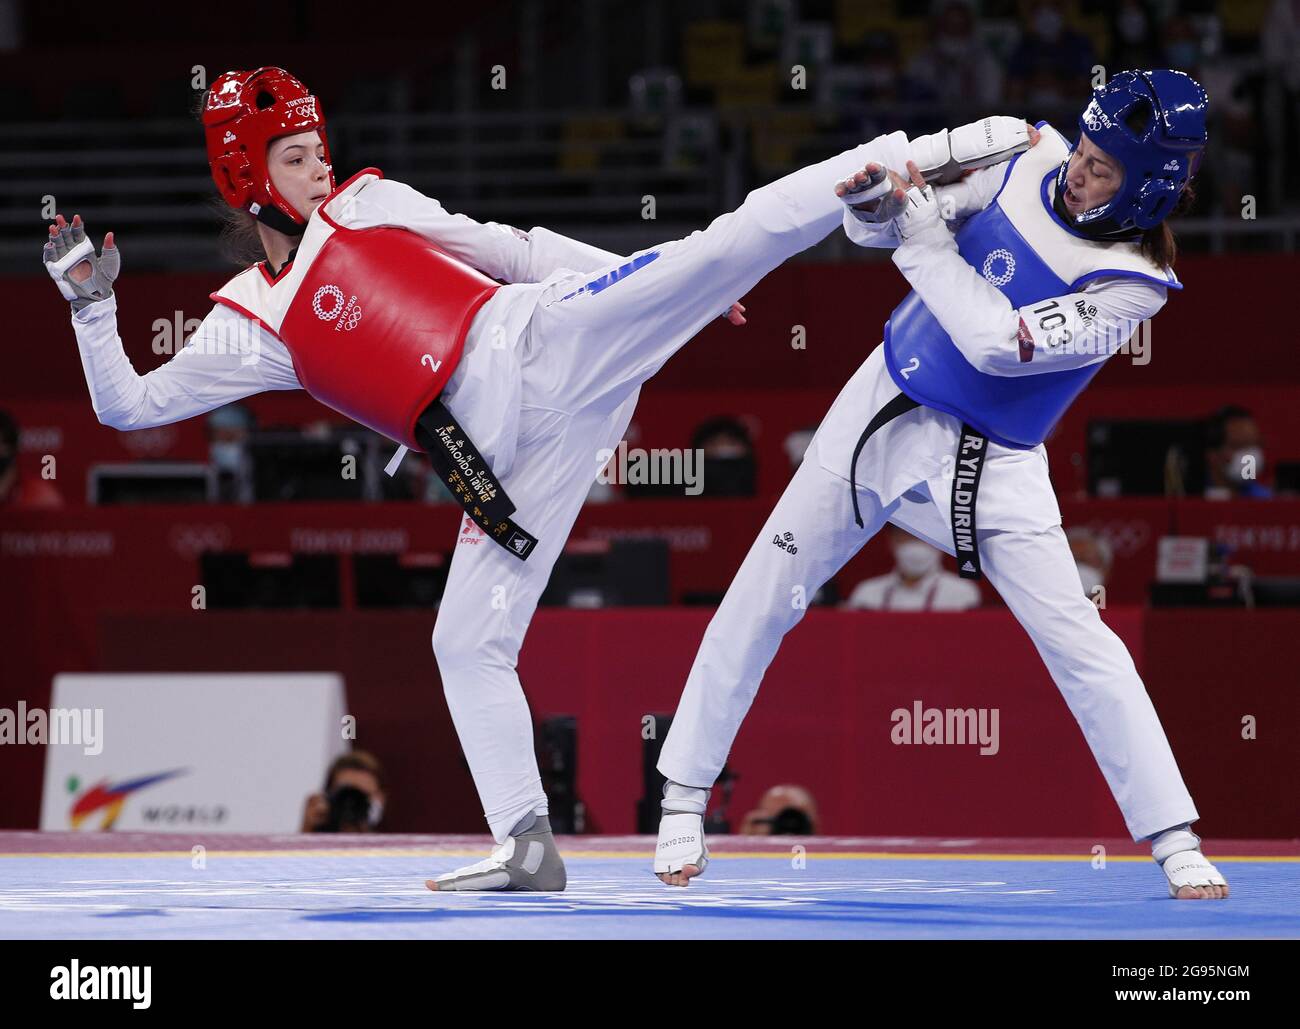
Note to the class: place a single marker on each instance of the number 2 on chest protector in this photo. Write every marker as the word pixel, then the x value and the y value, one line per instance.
pixel 428 359
pixel 910 367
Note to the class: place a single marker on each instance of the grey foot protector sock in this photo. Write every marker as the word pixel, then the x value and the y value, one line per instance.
pixel 535 866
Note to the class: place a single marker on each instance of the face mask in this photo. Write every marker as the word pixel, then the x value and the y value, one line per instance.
pixel 915 558
pixel 1240 468
pixel 226 456
pixel 726 449
pixel 952 46
pixel 1044 96
pixel 796 445
pixel 1048 23
pixel 1132 25
pixel 880 77
pixel 1091 577
pixel 1182 54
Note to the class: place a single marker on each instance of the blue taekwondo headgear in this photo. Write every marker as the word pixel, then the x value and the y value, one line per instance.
pixel 1153 124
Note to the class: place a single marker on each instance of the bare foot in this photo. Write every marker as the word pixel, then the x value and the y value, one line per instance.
pixel 682 878
pixel 1202 893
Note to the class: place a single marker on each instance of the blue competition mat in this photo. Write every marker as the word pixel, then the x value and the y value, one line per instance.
pixel 375 893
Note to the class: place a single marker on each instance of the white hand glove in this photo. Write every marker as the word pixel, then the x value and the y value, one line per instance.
pixel 859 191
pixel 67 249
pixel 920 219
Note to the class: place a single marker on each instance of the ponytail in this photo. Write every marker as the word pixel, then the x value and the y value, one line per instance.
pixel 1158 243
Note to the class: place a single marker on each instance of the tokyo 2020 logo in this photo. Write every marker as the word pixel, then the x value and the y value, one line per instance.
pixel 999 276
pixel 336 306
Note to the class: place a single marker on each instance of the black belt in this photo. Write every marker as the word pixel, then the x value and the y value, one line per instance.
pixel 971 449
pixel 901 404
pixel 459 464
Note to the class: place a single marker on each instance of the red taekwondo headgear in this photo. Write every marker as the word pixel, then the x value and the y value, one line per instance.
pixel 244 112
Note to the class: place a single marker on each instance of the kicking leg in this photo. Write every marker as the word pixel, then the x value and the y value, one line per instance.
pixel 610 329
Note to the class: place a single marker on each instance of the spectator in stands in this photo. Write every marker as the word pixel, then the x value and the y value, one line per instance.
pixel 1134 38
pixel 918 582
pixel 1053 63
pixel 727 455
pixel 1280 42
pixel 415 480
pixel 881 87
pixel 1280 47
pixel 882 73
pixel 1230 175
pixel 228 430
pixel 956 69
pixel 1234 456
pixel 19 492
pixel 796 445
pixel 785 810
pixel 1092 556
pixel 353 798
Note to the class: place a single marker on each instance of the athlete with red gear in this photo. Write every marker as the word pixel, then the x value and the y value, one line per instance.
pixel 389 309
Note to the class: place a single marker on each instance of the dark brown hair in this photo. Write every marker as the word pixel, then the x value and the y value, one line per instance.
pixel 1158 243
pixel 359 760
pixel 239 241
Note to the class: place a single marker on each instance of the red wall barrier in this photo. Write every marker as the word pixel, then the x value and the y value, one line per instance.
pixel 109 589
pixel 822 718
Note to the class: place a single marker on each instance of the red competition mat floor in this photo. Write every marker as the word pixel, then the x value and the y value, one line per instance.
pixel 153 885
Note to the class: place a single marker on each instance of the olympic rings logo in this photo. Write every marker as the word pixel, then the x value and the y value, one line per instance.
pixel 190 540
pixel 350 309
pixel 1008 267
pixel 1094 117
pixel 1126 538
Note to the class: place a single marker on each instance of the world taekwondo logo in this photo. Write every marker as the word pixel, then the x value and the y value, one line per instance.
pixel 329 305
pixel 1005 273
pixel 107 798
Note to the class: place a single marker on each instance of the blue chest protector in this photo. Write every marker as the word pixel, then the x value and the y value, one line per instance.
pixel 924 362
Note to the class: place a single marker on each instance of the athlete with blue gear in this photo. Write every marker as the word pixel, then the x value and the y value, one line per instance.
pixel 1153 124
pixel 1026 275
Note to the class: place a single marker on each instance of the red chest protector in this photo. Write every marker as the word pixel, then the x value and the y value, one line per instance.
pixel 376 322
pixel 379 323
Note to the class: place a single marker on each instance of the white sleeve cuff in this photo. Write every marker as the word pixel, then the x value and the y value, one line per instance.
pixel 97 311
pixel 870 233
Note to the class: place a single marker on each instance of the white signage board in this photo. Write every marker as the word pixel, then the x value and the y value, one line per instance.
pixel 183 752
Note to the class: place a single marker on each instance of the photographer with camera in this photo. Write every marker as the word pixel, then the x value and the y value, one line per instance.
pixel 353 799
